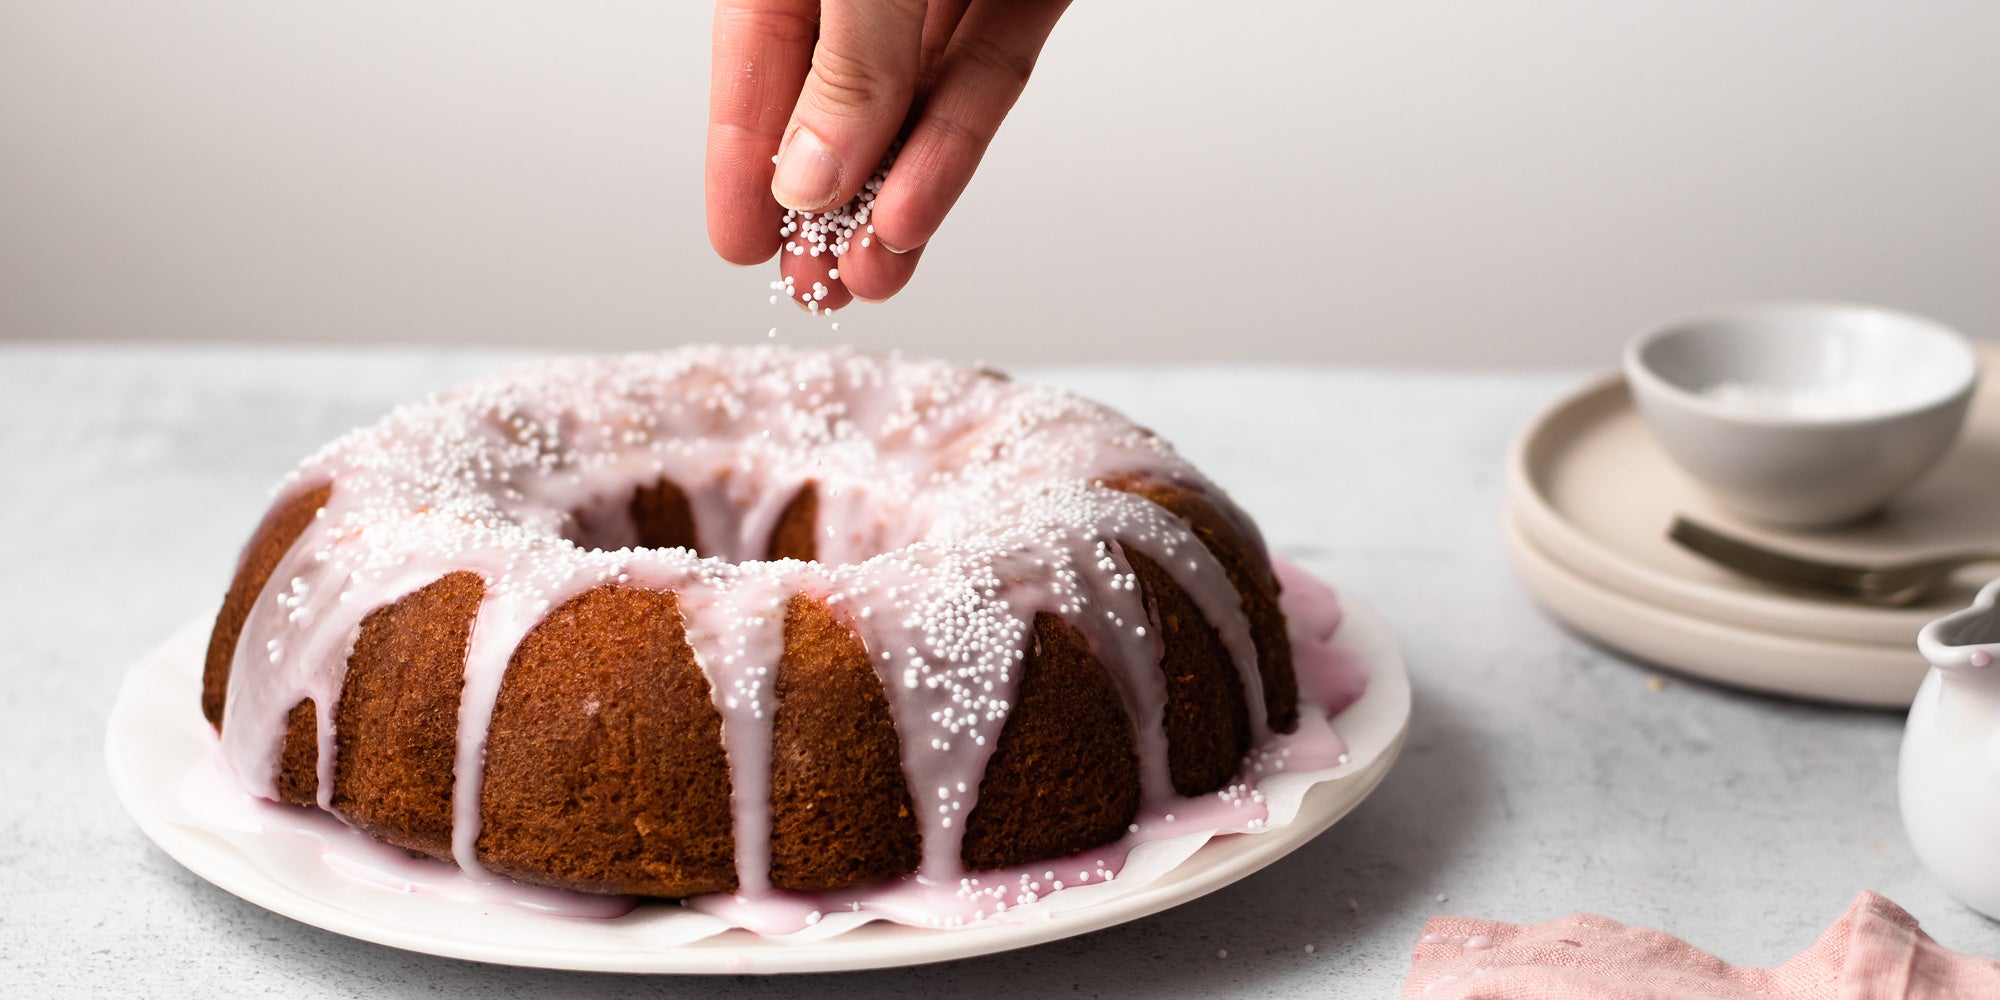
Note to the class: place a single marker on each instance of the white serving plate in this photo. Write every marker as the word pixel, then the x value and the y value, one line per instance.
pixel 156 739
pixel 1590 495
pixel 1774 662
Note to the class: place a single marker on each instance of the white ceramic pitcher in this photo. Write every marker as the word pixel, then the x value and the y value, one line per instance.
pixel 1949 775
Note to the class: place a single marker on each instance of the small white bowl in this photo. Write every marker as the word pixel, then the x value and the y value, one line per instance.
pixel 1803 414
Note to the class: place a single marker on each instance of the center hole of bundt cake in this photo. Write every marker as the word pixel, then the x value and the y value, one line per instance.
pixel 661 516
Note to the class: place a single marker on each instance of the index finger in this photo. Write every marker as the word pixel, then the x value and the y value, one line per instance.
pixel 762 52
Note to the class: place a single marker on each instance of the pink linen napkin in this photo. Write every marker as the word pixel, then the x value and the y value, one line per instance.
pixel 1873 951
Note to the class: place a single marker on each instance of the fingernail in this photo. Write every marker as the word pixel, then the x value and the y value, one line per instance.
pixel 808 175
pixel 892 249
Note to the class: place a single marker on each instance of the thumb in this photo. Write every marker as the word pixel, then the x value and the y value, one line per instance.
pixel 864 75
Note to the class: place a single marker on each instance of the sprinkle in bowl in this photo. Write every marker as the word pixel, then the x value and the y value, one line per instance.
pixel 1803 414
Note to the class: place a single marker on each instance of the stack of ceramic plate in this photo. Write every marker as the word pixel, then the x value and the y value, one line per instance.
pixel 1590 496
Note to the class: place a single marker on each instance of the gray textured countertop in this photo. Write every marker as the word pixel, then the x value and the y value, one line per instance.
pixel 1542 775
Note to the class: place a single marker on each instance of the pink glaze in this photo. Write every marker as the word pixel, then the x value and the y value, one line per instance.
pixel 955 506
pixel 210 793
pixel 1329 674
pixel 1322 669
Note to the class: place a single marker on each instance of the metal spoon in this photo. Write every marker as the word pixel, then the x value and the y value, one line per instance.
pixel 1894 584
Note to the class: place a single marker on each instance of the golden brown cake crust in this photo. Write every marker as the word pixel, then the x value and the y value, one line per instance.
pixel 1249 570
pixel 298 762
pixel 1207 717
pixel 840 806
pixel 282 527
pixel 793 537
pixel 1064 777
pixel 396 730
pixel 605 769
pixel 662 516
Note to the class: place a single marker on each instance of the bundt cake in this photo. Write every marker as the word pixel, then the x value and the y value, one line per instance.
pixel 742 620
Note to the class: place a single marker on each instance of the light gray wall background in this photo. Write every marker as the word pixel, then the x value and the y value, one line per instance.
pixel 1514 182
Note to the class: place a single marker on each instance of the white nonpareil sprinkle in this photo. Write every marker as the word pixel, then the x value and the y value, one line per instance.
pixel 831 233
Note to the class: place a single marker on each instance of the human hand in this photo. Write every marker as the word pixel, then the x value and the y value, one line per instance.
pixel 826 86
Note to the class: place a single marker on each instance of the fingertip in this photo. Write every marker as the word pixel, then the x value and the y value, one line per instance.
pixel 814 283
pixel 915 197
pixel 838 296
pixel 809 176
pixel 873 273
pixel 743 249
pixel 896 245
pixel 742 219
